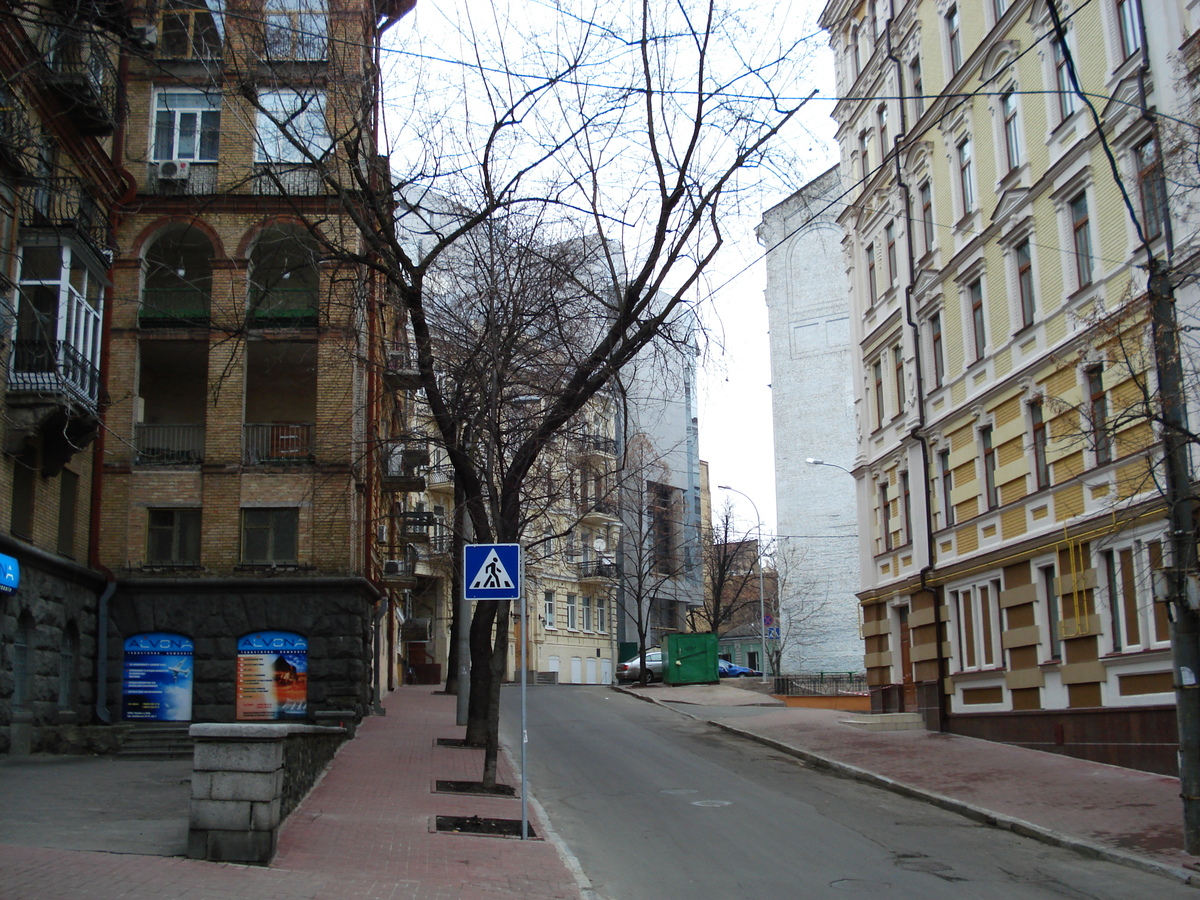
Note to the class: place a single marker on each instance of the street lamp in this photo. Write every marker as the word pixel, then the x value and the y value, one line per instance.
pixel 821 462
pixel 762 609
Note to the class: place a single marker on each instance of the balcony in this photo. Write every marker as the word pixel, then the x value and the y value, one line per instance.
pixel 54 368
pixel 169 445
pixel 200 179
pixel 401 373
pixel 77 67
pixel 173 308
pixel 287 180
pixel 64 206
pixel 597 443
pixel 597 570
pixel 402 465
pixel 277 443
pixel 601 510
pixel 440 476
pixel 414 527
pixel 284 306
pixel 400 569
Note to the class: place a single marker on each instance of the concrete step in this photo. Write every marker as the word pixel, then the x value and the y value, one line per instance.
pixel 157 742
pixel 904 721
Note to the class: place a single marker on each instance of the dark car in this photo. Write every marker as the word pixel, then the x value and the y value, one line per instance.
pixel 631 669
pixel 727 669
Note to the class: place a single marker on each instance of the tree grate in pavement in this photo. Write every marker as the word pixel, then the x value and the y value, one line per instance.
pixel 453 742
pixel 480 825
pixel 474 787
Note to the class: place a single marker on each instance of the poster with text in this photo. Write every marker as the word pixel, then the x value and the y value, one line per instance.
pixel 158 678
pixel 272 676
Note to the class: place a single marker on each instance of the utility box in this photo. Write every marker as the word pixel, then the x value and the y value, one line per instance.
pixel 690 659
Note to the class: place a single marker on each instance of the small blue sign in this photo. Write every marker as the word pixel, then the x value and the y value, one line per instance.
pixel 492 571
pixel 10 574
pixel 773 633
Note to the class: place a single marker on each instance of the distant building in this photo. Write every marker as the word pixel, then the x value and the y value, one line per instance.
pixel 812 395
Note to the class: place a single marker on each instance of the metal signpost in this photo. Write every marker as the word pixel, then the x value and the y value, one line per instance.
pixel 496 572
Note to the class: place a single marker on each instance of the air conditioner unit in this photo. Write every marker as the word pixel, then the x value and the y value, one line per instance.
pixel 172 170
pixel 396 568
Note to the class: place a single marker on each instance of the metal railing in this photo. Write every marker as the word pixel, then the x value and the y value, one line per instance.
pixel 443 474
pixel 599 444
pixel 64 204
pixel 79 66
pixel 53 367
pixel 288 179
pixel 171 306
pixel 597 569
pixel 821 684
pixel 165 445
pixel 18 134
pixel 290 442
pixel 284 304
pixel 201 178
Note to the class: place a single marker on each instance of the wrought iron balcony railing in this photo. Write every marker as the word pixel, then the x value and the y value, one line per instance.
pixel 167 445
pixel 63 204
pixel 53 367
pixel 78 67
pixel 287 442
pixel 174 306
pixel 597 569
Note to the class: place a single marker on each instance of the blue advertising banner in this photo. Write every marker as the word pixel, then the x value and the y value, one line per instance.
pixel 158 678
pixel 272 676
pixel 10 574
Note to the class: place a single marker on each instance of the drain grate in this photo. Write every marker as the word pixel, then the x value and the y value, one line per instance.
pixel 480 825
pixel 474 787
pixel 451 742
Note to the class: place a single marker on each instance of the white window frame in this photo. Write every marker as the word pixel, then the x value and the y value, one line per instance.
pixel 204 111
pixel 975 609
pixel 302 114
pixel 572 613
pixel 295 29
pixel 549 610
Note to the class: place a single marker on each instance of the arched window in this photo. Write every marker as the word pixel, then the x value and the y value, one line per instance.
pixel 178 282
pixel 284 278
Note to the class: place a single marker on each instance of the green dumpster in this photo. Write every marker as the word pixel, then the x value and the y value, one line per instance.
pixel 690 659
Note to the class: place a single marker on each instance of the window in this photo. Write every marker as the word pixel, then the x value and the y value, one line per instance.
pixel 270 536
pixel 1041 467
pixel 864 154
pixel 890 236
pixel 1012 144
pixel 991 495
pixel 68 500
pixel 906 506
pixel 601 615
pixel 954 36
pixel 918 88
pixel 662 527
pixel 885 517
pixel 187 125
pixel 173 537
pixel 937 345
pixel 24 490
pixel 1098 414
pixel 898 368
pixel 548 608
pixel 190 29
pixel 1150 190
pixel 977 616
pixel 881 116
pixel 291 127
pixel 946 479
pixel 877 371
pixel 1053 619
pixel 59 309
pixel 925 192
pixel 295 29
pixel 855 51
pixel 1129 28
pixel 999 7
pixel 1081 240
pixel 872 289
pixel 572 613
pixel 1024 259
pixel 1062 81
pixel 978 336
pixel 1124 616
pixel 965 184
pixel 587 613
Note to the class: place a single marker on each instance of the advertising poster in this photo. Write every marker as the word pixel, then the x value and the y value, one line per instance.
pixel 158 678
pixel 272 676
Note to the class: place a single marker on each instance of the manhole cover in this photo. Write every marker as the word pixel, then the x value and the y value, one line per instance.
pixel 677 791
pixel 480 825
pixel 712 803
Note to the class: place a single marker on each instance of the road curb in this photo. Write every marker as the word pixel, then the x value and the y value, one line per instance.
pixel 971 811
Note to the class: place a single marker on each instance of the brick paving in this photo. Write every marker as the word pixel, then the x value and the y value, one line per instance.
pixel 365 832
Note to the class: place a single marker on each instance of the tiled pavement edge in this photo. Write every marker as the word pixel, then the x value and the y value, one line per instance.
pixel 1122 815
pixel 366 831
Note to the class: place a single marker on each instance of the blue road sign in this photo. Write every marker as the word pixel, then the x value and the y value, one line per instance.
pixel 773 633
pixel 492 571
pixel 10 574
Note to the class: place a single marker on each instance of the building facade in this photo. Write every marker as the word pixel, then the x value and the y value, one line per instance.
pixel 812 399
pixel 1004 173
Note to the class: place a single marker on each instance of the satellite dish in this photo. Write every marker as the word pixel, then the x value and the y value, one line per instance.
pixel 599 545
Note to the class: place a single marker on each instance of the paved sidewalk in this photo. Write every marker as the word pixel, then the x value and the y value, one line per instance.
pixel 1120 814
pixel 365 832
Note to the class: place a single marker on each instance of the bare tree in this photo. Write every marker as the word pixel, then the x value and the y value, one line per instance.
pixel 587 179
pixel 800 610
pixel 731 560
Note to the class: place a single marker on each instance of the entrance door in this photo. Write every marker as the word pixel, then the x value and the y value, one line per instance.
pixel 909 699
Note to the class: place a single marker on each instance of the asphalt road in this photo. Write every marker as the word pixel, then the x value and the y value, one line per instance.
pixel 659 806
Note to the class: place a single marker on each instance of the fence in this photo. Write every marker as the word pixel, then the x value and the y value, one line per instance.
pixel 826 684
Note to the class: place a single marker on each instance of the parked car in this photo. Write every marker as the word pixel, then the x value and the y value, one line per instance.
pixel 631 669
pixel 726 669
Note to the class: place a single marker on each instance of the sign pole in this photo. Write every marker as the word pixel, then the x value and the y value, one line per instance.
pixel 464 657
pixel 524 731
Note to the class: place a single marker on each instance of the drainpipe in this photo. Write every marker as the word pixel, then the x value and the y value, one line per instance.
pixel 917 433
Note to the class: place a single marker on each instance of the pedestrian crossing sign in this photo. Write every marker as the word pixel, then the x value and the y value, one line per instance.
pixel 492 571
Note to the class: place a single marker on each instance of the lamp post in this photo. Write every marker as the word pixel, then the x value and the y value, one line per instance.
pixel 762 609
pixel 821 462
